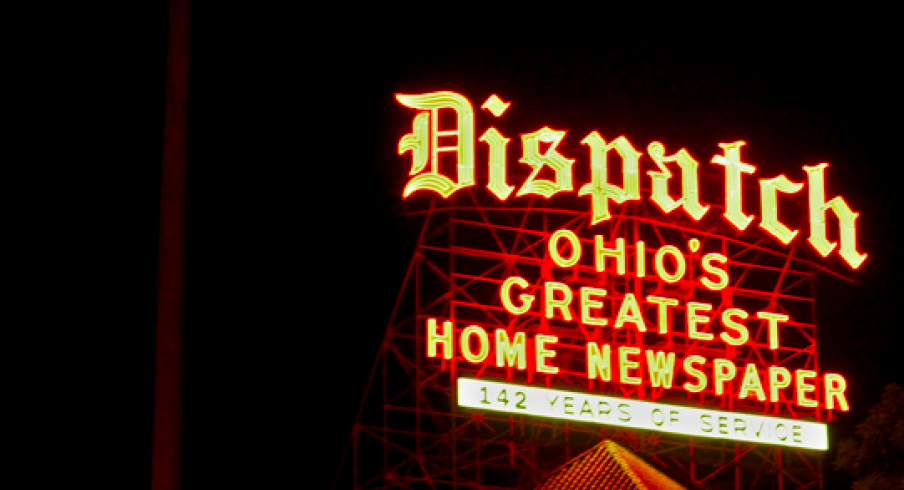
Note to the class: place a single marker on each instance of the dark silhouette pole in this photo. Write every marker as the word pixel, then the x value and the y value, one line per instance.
pixel 166 457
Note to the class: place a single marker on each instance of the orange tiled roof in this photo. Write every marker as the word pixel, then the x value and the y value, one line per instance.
pixel 608 466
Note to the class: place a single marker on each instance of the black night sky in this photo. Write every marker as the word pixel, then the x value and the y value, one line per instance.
pixel 296 244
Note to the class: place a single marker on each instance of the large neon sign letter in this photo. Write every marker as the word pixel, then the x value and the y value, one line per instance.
pixel 423 142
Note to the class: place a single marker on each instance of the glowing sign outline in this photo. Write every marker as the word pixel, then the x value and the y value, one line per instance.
pixel 424 144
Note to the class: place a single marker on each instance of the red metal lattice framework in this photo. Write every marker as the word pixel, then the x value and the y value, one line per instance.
pixel 411 434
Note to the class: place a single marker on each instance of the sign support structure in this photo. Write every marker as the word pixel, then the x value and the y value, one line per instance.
pixel 411 432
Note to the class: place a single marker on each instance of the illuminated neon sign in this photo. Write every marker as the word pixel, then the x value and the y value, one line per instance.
pixel 691 288
pixel 589 307
pixel 539 150
pixel 635 414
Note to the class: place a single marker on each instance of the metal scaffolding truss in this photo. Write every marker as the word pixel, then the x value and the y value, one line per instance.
pixel 411 434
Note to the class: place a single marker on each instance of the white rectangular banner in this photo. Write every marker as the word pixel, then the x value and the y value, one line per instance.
pixel 623 412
